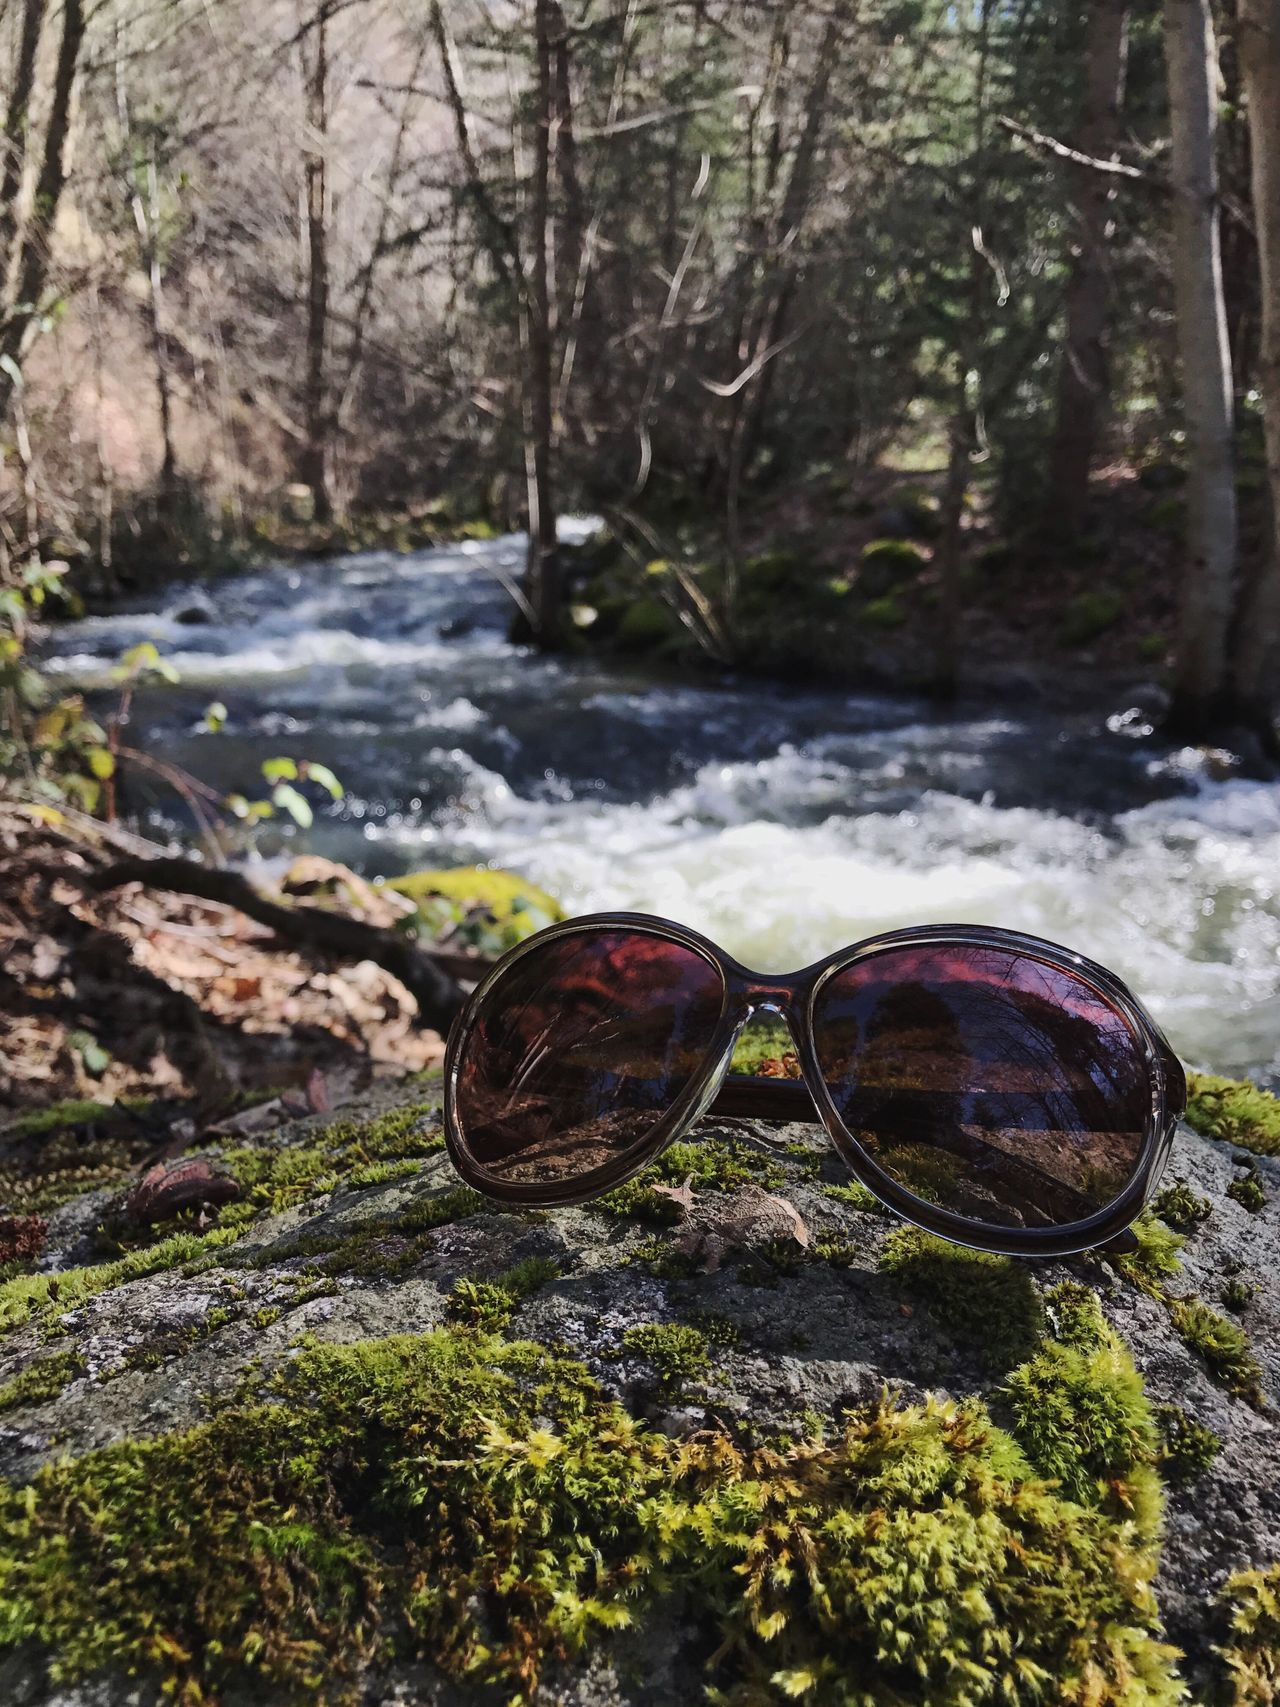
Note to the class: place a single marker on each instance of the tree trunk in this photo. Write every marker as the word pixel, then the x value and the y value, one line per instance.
pixel 542 578
pixel 1200 679
pixel 16 128
pixel 1083 376
pixel 32 265
pixel 1258 629
pixel 313 464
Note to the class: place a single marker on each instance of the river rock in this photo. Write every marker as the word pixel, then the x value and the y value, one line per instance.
pixel 369 1438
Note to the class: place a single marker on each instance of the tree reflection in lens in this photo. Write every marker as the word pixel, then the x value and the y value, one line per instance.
pixel 581 1049
pixel 1000 1087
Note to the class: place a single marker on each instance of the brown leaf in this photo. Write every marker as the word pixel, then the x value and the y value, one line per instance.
pixel 168 1188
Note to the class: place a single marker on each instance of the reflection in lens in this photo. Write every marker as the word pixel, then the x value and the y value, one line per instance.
pixel 986 1081
pixel 580 1049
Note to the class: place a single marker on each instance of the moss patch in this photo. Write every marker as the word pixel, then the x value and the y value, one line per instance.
pixel 678 1352
pixel 1156 1257
pixel 1181 1208
pixel 988 1301
pixel 710 1164
pixel 1234 1110
pixel 1080 1414
pixel 40 1381
pixel 1251 1600
pixel 376 1494
pixel 1222 1345
pixel 490 1304
pixel 1187 1447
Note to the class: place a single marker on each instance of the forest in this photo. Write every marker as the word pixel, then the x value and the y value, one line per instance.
pixel 882 318
pixel 805 477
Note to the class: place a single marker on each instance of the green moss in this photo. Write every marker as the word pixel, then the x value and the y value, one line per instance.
pixel 710 1164
pixel 884 612
pixel 1079 1412
pixel 40 1122
pixel 40 1381
pixel 1181 1208
pixel 490 1304
pixel 1223 1345
pixel 30 1295
pixel 377 1494
pixel 487 910
pixel 1090 614
pixel 762 1043
pixel 856 1195
pixel 1235 1111
pixel 382 1247
pixel 1248 1191
pixel 891 560
pixel 1156 1255
pixel 679 1353
pixel 647 623
pixel 1187 1447
pixel 989 1301
pixel 1251 1654
pixel 1238 1294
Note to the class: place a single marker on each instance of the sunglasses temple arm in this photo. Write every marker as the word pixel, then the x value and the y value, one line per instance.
pixel 749 1098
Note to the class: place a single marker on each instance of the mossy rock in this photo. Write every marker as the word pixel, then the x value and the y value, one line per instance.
pixel 371 1437
pixel 888 564
pixel 884 612
pixel 646 625
pixel 490 909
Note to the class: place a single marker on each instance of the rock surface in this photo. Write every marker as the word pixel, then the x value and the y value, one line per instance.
pixel 335 1239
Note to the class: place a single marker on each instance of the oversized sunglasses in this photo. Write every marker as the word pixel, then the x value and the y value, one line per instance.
pixel 990 1087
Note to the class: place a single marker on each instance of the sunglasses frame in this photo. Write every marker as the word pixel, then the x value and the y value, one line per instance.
pixel 791 997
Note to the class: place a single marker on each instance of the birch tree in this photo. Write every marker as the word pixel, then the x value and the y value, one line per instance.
pixel 1255 661
pixel 1208 591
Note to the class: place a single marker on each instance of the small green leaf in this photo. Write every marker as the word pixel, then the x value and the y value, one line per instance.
pixel 280 770
pixel 102 762
pixel 324 776
pixel 96 1060
pixel 215 716
pixel 287 797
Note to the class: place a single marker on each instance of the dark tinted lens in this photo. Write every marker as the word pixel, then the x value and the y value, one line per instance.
pixel 581 1049
pixel 986 1081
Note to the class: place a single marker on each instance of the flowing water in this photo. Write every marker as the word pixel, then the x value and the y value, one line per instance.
pixel 781 820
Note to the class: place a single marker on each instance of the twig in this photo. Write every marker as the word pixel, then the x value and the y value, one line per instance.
pixel 1061 151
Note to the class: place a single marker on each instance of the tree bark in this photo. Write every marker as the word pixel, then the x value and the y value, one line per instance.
pixel 542 576
pixel 1083 379
pixel 1200 679
pixel 1258 632
pixel 16 130
pixel 32 264
pixel 313 464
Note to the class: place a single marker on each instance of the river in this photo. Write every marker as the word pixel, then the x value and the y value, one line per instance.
pixel 783 820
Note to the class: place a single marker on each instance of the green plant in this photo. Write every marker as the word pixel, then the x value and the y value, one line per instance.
pixel 1234 1110
pixel 1181 1208
pixel 1251 1602
pixel 1248 1191
pixel 1223 1346
pixel 678 1352
pixel 1187 1447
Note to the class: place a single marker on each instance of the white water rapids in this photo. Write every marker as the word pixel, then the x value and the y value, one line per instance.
pixel 783 821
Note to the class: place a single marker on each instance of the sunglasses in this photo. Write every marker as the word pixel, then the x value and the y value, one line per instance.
pixel 990 1087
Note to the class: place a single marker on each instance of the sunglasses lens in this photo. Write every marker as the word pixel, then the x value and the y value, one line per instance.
pixel 580 1049
pixel 993 1084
